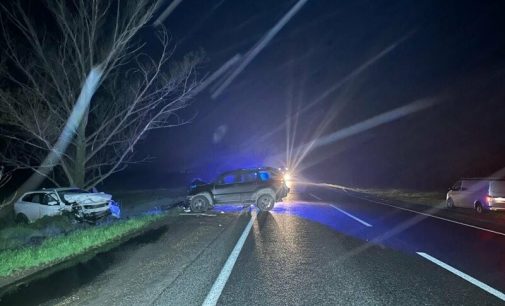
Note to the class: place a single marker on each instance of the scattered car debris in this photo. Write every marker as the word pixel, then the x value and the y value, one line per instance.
pixel 198 214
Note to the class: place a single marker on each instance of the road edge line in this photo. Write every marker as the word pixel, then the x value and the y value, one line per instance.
pixel 351 216
pixel 315 196
pixel 463 275
pixel 218 286
pixel 430 215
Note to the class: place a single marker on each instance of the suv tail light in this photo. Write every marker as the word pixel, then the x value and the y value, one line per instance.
pixel 489 199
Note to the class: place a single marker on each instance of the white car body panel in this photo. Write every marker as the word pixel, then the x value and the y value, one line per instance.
pixel 30 210
pixel 90 204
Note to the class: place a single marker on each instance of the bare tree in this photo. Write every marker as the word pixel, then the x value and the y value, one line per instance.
pixel 47 63
pixel 5 177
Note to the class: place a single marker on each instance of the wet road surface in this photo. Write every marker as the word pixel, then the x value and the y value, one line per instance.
pixel 320 247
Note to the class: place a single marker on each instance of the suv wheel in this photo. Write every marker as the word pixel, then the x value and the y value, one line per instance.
pixel 450 203
pixel 199 204
pixel 265 202
pixel 21 218
pixel 478 208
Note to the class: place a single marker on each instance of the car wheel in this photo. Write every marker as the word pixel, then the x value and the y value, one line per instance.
pixel 22 218
pixel 199 204
pixel 265 202
pixel 478 208
pixel 450 203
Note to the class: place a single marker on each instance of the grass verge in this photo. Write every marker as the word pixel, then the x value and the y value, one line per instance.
pixel 134 197
pixel 59 248
pixel 426 198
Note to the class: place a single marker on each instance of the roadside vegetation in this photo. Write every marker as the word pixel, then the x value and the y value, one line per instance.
pixel 426 198
pixel 58 248
pixel 137 202
pixel 129 198
pixel 19 235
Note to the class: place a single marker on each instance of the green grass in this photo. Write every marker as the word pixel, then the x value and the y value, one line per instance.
pixel 78 242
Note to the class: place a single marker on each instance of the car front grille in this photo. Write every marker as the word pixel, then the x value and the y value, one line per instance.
pixel 96 206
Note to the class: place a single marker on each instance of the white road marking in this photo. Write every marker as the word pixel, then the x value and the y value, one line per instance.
pixel 432 216
pixel 315 196
pixel 220 282
pixel 465 276
pixel 351 216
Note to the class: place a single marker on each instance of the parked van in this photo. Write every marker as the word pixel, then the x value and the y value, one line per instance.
pixel 479 194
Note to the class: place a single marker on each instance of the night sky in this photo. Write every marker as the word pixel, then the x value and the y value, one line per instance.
pixel 454 50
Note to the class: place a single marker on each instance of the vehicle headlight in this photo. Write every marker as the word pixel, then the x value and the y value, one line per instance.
pixel 287 176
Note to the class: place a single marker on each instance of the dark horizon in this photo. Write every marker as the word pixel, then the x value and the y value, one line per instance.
pixel 452 50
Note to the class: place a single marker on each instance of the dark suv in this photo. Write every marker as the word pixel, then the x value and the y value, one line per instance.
pixel 261 186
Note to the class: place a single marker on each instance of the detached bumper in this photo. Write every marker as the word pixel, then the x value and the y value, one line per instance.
pixel 115 209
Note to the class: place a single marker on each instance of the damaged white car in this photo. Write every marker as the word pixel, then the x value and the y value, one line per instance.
pixel 85 206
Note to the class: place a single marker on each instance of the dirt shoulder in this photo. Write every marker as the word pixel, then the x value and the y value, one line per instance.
pixel 27 250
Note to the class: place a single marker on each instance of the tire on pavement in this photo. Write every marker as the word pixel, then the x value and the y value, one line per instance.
pixel 478 208
pixel 265 202
pixel 450 203
pixel 199 204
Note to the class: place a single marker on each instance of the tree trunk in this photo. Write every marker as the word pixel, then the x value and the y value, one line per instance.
pixel 79 173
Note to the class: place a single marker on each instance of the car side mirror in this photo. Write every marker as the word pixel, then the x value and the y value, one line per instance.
pixel 52 203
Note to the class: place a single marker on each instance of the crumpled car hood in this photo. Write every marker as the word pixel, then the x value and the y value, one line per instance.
pixel 88 198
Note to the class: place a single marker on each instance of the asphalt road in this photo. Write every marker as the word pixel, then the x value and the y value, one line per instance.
pixel 318 248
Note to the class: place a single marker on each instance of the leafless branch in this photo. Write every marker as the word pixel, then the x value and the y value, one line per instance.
pixel 46 72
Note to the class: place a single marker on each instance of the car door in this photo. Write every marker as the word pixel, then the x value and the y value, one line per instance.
pixel 28 207
pixel 50 205
pixel 226 188
pixel 248 185
pixel 467 193
pixel 36 206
